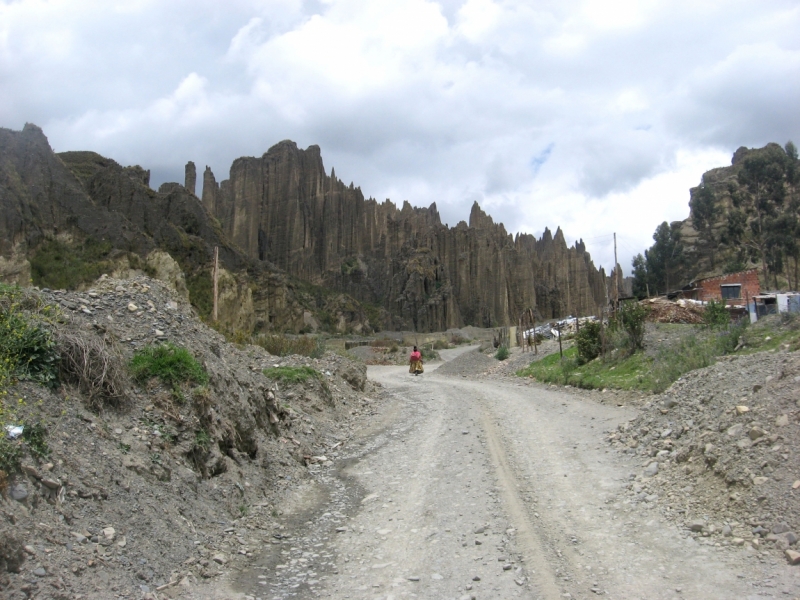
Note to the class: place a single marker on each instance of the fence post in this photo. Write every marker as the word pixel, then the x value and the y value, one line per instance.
pixel 560 351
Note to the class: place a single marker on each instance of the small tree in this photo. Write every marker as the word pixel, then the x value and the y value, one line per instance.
pixel 665 259
pixel 640 276
pixel 631 316
pixel 588 341
pixel 716 315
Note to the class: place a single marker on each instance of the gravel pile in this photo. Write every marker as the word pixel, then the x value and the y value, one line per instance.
pixel 719 452
pixel 470 364
pixel 184 484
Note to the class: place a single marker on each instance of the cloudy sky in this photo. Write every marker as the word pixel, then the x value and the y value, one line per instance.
pixel 595 115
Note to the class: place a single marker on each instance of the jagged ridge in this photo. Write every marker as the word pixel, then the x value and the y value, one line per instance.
pixel 284 208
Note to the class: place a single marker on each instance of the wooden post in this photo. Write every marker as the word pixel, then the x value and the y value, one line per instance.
pixel 560 351
pixel 602 334
pixel 216 282
pixel 616 275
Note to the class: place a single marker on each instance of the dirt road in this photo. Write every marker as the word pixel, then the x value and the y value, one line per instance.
pixel 488 489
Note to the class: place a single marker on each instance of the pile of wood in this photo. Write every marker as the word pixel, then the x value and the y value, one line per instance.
pixel 680 311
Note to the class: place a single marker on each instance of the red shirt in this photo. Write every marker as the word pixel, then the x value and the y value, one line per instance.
pixel 416 356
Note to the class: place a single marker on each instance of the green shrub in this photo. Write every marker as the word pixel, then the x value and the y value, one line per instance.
pixel 457 339
pixel 429 354
pixel 502 353
pixel 728 339
pixel 292 374
pixel 631 318
pixel 588 341
pixel 27 349
pixel 35 436
pixel 61 266
pixel 202 439
pixel 716 315
pixel 349 266
pixel 10 454
pixel 440 345
pixel 172 364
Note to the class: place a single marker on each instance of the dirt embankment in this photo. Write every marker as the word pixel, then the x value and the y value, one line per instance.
pixel 719 451
pixel 178 485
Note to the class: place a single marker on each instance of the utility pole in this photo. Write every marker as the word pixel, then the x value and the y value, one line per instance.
pixel 616 275
pixel 216 280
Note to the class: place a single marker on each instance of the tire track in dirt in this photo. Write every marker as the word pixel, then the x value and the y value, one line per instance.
pixel 527 540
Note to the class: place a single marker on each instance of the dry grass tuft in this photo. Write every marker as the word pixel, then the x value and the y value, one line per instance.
pixel 95 366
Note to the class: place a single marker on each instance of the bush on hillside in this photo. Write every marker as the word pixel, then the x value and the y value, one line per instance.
pixel 588 341
pixel 27 349
pixel 631 318
pixel 716 315
pixel 172 364
pixel 292 374
pixel 61 266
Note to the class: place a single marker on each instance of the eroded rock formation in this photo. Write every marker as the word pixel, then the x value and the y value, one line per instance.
pixel 75 196
pixel 284 208
pixel 298 247
pixel 190 181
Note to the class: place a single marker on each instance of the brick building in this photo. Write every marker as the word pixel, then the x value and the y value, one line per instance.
pixel 735 288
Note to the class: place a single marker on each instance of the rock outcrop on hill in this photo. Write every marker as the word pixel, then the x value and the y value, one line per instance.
pixel 70 197
pixel 298 248
pixel 745 215
pixel 284 208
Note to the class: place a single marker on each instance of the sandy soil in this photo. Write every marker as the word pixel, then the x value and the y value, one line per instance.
pixel 474 487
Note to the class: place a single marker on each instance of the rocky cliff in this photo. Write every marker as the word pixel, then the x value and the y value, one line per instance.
pixel 746 215
pixel 298 247
pixel 66 218
pixel 284 208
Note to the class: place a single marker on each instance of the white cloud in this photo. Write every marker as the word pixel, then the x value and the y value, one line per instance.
pixel 593 115
pixel 477 18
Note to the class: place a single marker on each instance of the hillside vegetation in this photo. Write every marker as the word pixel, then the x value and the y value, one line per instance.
pixel 745 215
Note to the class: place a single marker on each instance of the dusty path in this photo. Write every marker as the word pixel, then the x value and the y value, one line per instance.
pixel 489 489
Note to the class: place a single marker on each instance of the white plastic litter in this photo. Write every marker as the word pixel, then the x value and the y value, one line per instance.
pixel 14 431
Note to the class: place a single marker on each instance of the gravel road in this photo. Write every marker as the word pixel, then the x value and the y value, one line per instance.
pixel 465 487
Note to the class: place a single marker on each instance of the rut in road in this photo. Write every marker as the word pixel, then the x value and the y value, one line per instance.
pixel 491 489
pixel 529 544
